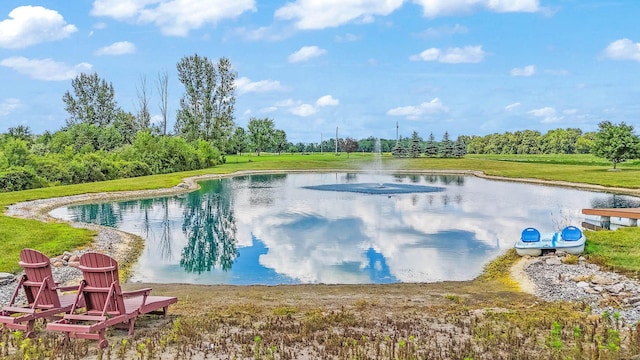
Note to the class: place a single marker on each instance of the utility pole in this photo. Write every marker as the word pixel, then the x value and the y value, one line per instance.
pixel 336 139
pixel 397 136
pixel 320 143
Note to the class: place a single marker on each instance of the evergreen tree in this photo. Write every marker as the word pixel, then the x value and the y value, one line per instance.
pixel 446 150
pixel 415 145
pixel 459 148
pixel 399 150
pixel 431 149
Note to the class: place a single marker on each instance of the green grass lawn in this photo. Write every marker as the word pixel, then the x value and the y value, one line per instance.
pixel 53 239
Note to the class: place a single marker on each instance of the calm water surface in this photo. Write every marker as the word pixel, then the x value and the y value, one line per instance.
pixel 272 229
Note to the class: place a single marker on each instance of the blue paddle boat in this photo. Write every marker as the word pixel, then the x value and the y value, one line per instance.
pixel 570 240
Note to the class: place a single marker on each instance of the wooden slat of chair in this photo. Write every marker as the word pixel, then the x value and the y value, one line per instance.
pixel 37 268
pixel 107 305
pixel 43 300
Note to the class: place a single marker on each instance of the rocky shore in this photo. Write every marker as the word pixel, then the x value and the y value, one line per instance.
pixel 560 277
pixel 65 271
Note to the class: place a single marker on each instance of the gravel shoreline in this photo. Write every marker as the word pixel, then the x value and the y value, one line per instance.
pixel 110 241
pixel 602 291
pixel 547 277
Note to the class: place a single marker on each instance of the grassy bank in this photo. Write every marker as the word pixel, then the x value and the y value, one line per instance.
pixel 53 239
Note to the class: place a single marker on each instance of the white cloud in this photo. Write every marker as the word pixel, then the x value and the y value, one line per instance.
pixel 8 105
pixel 347 38
pixel 286 103
pixel 543 112
pixel 431 54
pixel 269 33
pixel 30 25
pixel 303 110
pixel 434 8
pixel 117 48
pixel 467 54
pixel 528 70
pixel 548 115
pixel 447 30
pixel 305 53
pixel 327 100
pixel 173 17
pixel 119 9
pixel 320 14
pixel 269 109
pixel 157 119
pixel 45 69
pixel 416 112
pixel 245 85
pixel 512 107
pixel 623 49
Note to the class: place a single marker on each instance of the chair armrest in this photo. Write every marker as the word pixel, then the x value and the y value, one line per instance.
pixel 138 292
pixel 68 288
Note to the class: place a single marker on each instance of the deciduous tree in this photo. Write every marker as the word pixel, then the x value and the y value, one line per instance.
pixel 616 143
pixel 21 132
pixel 239 140
pixel 279 140
pixel 92 102
pixel 162 85
pixel 349 145
pixel 260 133
pixel 143 118
pixel 207 106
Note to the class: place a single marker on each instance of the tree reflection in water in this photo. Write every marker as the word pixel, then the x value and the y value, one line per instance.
pixel 615 201
pixel 106 214
pixel 210 228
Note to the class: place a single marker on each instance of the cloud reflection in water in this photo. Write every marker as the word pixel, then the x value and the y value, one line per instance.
pixel 285 233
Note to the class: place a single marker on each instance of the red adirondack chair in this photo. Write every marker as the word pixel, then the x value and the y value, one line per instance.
pixel 43 299
pixel 106 304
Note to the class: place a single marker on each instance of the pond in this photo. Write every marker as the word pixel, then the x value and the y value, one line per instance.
pixel 319 228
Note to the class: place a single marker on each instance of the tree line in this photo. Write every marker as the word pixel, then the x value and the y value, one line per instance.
pixel 101 141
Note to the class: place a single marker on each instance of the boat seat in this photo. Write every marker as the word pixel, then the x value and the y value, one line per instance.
pixel 530 235
pixel 571 233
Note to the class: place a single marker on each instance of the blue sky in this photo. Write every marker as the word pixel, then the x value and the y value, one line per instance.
pixel 469 67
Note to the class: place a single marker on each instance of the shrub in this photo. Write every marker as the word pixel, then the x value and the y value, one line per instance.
pixel 16 152
pixel 92 167
pixel 20 178
pixel 3 161
pixel 128 169
pixel 167 154
pixel 53 167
